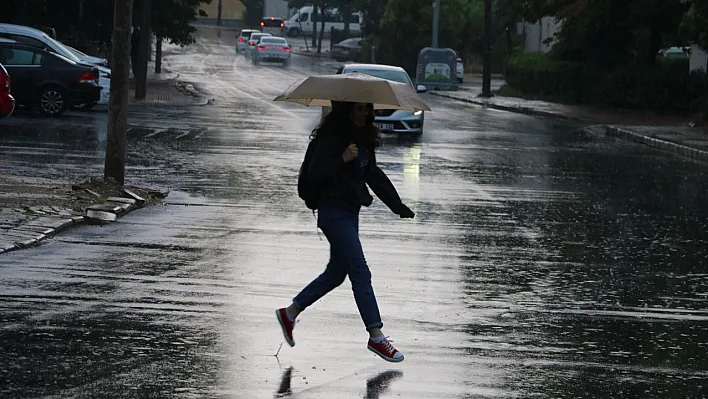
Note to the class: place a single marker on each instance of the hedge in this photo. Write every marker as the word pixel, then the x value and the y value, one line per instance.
pixel 666 87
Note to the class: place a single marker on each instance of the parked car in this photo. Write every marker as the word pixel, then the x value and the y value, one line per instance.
pixel 37 38
pixel 272 49
pixel 347 50
pixel 274 26
pixel 391 120
pixel 253 42
pixel 48 81
pixel 104 77
pixel 243 38
pixel 7 102
pixel 460 69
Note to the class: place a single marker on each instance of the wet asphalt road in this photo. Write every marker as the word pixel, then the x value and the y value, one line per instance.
pixel 543 262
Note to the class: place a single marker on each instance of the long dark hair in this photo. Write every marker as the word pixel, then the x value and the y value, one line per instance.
pixel 339 118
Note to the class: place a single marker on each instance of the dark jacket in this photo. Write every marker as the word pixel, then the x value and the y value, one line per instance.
pixel 341 183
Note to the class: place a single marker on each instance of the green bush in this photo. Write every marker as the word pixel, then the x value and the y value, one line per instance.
pixel 666 87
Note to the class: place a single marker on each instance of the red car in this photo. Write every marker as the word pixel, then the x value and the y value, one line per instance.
pixel 7 102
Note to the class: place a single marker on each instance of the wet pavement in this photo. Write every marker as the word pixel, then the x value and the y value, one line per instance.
pixel 543 261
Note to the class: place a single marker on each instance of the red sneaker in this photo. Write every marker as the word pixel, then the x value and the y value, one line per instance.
pixel 286 325
pixel 385 350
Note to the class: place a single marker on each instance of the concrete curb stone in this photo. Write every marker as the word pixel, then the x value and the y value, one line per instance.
pixel 509 108
pixel 610 130
pixel 679 149
pixel 34 232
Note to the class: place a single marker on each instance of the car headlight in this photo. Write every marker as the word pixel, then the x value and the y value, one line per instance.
pixel 416 113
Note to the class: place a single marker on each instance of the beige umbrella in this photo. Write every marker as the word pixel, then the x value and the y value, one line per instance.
pixel 321 90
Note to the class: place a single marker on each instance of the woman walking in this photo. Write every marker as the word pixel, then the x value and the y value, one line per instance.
pixel 342 164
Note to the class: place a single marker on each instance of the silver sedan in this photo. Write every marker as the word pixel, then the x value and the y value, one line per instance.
pixel 272 49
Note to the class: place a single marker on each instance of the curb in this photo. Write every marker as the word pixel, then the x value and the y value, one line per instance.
pixel 679 149
pixel 34 232
pixel 313 55
pixel 610 130
pixel 509 108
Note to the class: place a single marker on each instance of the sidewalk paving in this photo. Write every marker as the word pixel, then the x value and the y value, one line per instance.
pixel 670 133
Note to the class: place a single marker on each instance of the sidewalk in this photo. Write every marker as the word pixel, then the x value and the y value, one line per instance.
pixel 166 89
pixel 669 133
pixel 33 209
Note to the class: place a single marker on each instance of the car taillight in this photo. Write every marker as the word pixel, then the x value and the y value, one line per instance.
pixel 251 43
pixel 87 77
pixel 282 24
pixel 284 48
pixel 240 39
pixel 4 83
pixel 260 48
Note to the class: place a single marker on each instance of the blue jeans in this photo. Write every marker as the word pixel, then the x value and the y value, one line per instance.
pixel 346 259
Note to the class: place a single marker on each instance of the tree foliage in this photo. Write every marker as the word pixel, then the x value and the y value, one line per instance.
pixel 609 32
pixel 695 23
pixel 173 19
pixel 406 27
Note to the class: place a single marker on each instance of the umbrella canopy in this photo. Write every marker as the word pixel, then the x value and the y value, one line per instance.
pixel 353 87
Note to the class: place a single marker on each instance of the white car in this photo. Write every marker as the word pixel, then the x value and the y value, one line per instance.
pixel 392 120
pixel 243 38
pixel 253 42
pixel 272 49
pixel 460 70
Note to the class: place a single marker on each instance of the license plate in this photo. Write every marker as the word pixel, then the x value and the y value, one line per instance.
pixel 385 126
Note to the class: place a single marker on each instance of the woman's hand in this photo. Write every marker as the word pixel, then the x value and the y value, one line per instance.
pixel 350 153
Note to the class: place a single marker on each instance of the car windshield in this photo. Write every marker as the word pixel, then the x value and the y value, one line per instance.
pixel 273 40
pixel 396 76
pixel 61 49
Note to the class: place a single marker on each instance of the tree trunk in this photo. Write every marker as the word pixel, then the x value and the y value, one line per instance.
pixel 347 15
pixel 143 50
pixel 314 16
pixel 158 55
pixel 322 29
pixel 82 34
pixel 218 13
pixel 118 100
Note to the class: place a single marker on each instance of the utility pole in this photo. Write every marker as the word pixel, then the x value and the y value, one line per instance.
pixel 487 67
pixel 436 22
pixel 218 14
pixel 118 100
pixel 143 49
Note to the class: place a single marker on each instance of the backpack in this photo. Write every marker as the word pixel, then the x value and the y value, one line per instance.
pixel 307 191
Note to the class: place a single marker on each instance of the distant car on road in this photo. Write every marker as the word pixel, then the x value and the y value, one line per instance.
pixel 391 120
pixel 253 42
pixel 243 38
pixel 347 50
pixel 48 81
pixel 460 69
pixel 272 49
pixel 274 26
pixel 7 102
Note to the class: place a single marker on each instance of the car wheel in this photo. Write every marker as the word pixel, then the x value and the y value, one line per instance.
pixel 52 101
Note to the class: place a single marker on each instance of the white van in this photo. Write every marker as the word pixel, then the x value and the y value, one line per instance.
pixel 301 22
